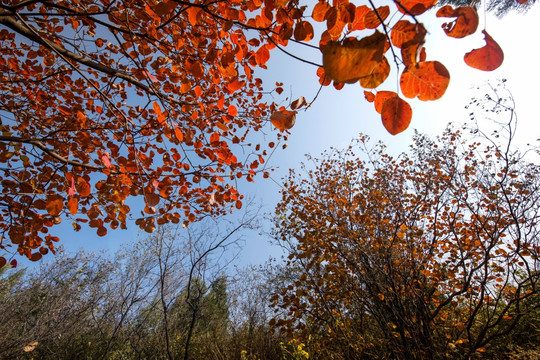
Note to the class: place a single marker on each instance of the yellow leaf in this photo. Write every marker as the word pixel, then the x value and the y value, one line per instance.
pixel 352 60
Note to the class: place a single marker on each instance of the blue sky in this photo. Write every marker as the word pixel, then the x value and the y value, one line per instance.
pixel 338 116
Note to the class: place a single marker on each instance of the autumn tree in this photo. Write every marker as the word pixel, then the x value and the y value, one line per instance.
pixel 433 254
pixel 104 101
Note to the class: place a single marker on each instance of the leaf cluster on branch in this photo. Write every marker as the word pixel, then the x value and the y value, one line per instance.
pixel 103 101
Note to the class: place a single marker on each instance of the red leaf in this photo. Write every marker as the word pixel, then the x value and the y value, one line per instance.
pixel 283 120
pixel 373 18
pixel 319 11
pixel 427 80
pixel 3 262
pixel 488 58
pixel 381 97
pixel 262 55
pixel 55 204
pixel 73 205
pixel 405 31
pixel 35 256
pixel 102 231
pixel 370 97
pixel 179 134
pixel 415 7
pixel 193 15
pixel 83 188
pixel 151 199
pixel 303 31
pixel 396 115
pixel 160 115
pixel 358 23
pixel 235 85
pixel 233 111
pixel 465 24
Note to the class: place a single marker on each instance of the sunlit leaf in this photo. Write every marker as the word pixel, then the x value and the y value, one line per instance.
pixel 426 80
pixel 378 75
pixel 415 7
pixel 370 97
pixel 55 204
pixel 381 97
pixel 303 31
pixel 374 17
pixel 487 58
pixel 405 31
pixel 283 120
pixel 396 115
pixel 465 24
pixel 73 205
pixel 298 103
pixel 351 60
pixel 319 11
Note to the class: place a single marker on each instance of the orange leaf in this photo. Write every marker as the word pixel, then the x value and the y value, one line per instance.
pixel 415 7
pixel 262 55
pixel 233 111
pixel 54 206
pixel 405 31
pixel 193 15
pixel 360 14
pixel 488 58
pixel 73 205
pixel 377 76
pixel 235 85
pixel 151 199
pixel 370 97
pixel 101 231
pixel 396 115
pixel 373 18
pixel 427 80
pixel 283 120
pixel 323 79
pixel 197 70
pixel 160 115
pixel 164 7
pixel 412 53
pixel 214 137
pixel 465 24
pixel 381 97
pixel 319 11
pixel 303 31
pixel 83 188
pixel 3 262
pixel 351 60
pixel 179 134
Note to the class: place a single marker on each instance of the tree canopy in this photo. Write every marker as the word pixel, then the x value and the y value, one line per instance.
pixel 432 255
pixel 102 101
